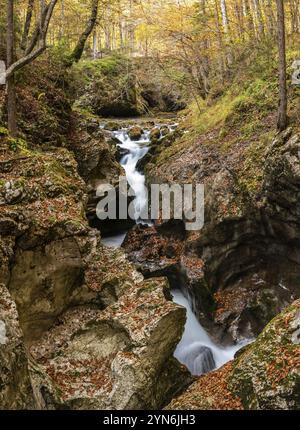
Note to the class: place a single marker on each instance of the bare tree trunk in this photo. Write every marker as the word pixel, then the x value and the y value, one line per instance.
pixel 249 18
pixel 95 45
pixel 294 12
pixel 38 47
pixel 222 63
pixel 78 50
pixel 62 20
pixel 225 22
pixel 205 41
pixel 270 17
pixel 259 18
pixel 239 19
pixel 11 88
pixel 282 111
pixel 27 24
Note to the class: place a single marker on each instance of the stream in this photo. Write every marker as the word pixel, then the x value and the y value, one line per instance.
pixel 196 349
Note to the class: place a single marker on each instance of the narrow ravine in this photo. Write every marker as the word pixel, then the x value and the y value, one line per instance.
pixel 196 350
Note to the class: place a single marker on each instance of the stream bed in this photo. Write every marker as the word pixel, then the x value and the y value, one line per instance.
pixel 196 349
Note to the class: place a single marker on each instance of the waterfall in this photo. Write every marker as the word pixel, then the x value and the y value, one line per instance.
pixel 196 350
pixel 136 151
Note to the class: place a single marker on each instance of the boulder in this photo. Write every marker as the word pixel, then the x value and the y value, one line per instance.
pixel 267 374
pixel 112 359
pixel 135 133
pixel 99 335
pixel 15 385
pixel 155 134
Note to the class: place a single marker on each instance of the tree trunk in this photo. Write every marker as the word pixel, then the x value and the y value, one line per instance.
pixel 27 24
pixel 249 18
pixel 95 45
pixel 270 17
pixel 222 62
pixel 11 88
pixel 78 50
pixel 259 19
pixel 282 111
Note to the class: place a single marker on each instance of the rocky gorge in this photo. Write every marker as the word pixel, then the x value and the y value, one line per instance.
pixel 84 325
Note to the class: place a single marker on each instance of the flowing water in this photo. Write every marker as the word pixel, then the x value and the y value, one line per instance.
pixel 196 349
pixel 137 150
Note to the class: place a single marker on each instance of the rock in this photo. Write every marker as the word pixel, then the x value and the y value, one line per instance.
pixel 112 359
pixel 199 358
pixel 111 126
pixel 164 131
pixel 121 152
pixel 15 386
pixel 99 335
pixel 156 251
pixel 243 267
pixel 155 134
pixel 112 93
pixel 135 133
pixel 265 375
pixel 144 161
pixel 43 291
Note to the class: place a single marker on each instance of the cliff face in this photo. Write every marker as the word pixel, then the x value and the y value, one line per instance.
pixel 264 375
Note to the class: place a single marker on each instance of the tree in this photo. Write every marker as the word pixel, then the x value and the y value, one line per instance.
pixel 78 50
pixel 11 92
pixel 35 48
pixel 282 111
pixel 27 24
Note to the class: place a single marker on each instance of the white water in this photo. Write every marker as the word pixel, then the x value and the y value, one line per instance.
pixel 114 241
pixel 195 337
pixel 137 150
pixel 196 350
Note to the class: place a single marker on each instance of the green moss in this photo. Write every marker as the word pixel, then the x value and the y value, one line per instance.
pixel 3 131
pixel 15 144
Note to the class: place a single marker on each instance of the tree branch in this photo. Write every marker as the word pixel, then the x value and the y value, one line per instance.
pixel 34 53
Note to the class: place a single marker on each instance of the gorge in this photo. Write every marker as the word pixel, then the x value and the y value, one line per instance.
pixel 196 350
pixel 133 313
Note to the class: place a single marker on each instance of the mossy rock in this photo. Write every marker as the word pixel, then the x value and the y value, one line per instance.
pixel 135 133
pixel 267 374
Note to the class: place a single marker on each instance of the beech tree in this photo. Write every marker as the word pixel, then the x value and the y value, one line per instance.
pixel 35 48
pixel 282 111
pixel 78 50
pixel 34 44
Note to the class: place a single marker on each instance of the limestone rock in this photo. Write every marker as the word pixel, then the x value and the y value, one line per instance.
pixel 267 374
pixel 112 359
pixel 15 385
